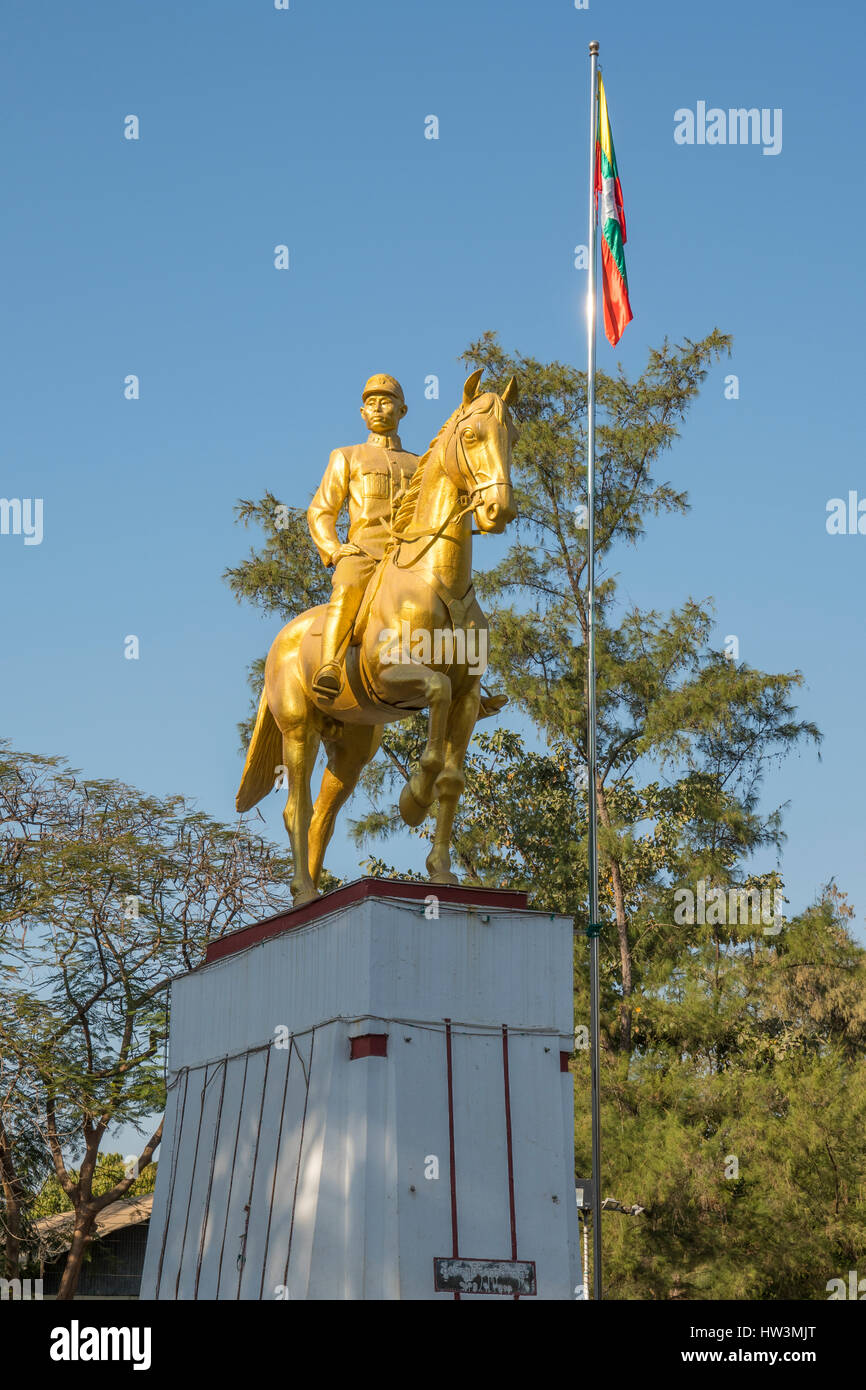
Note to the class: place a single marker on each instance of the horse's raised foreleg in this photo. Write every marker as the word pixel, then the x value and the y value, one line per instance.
pixel 451 781
pixel 300 746
pixel 346 757
pixel 406 684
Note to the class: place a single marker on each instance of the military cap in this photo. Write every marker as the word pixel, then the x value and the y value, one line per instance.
pixel 384 385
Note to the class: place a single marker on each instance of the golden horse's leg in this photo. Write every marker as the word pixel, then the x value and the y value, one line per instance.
pixel 451 781
pixel 300 746
pixel 346 757
pixel 406 684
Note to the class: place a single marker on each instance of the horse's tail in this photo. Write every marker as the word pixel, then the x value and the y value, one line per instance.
pixel 264 756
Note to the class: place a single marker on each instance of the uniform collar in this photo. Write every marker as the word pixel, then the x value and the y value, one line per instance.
pixel 385 441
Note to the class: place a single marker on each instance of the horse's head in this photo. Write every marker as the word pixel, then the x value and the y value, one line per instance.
pixel 483 435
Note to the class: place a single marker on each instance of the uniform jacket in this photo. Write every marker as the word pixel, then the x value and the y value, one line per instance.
pixel 373 477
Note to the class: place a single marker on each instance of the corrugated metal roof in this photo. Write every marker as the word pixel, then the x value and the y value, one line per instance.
pixel 55 1232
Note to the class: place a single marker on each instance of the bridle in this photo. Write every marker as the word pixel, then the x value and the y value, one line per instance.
pixel 456 513
pixel 479 487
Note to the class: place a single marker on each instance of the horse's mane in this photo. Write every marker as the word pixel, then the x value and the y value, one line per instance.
pixel 405 513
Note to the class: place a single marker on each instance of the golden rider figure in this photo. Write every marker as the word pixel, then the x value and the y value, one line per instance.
pixel 372 477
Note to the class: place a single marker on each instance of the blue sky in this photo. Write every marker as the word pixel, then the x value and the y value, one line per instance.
pixel 306 127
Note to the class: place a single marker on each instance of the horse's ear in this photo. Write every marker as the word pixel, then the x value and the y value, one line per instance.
pixel 470 387
pixel 510 394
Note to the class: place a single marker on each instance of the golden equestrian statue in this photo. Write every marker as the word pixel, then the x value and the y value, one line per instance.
pixel 403 631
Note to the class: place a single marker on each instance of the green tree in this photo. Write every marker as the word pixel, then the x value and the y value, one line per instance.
pixel 111 1169
pixel 108 894
pixel 739 1124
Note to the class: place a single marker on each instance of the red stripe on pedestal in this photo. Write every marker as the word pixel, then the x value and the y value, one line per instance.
pixel 355 892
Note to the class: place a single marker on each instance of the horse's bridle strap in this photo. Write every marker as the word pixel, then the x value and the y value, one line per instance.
pixel 457 513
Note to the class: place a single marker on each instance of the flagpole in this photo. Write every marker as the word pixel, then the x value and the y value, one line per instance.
pixel 594 927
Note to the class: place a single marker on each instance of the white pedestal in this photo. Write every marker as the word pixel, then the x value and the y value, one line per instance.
pixel 357 1090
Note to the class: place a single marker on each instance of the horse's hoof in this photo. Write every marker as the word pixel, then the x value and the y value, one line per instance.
pixel 446 877
pixel 302 898
pixel 411 810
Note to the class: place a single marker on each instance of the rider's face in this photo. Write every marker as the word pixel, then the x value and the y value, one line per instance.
pixel 382 413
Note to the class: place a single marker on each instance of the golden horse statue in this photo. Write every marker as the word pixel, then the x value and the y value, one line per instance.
pixel 399 660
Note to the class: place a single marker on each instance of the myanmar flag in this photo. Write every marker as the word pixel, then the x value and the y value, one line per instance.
pixel 617 310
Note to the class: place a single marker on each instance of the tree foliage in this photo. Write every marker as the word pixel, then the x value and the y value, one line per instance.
pixel 106 895
pixel 738 1122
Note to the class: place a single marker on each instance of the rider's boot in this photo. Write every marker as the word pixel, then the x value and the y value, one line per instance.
pixel 338 625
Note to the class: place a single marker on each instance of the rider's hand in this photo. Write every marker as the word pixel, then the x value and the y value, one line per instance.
pixel 344 550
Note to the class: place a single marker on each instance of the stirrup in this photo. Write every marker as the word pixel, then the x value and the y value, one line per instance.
pixel 326 683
